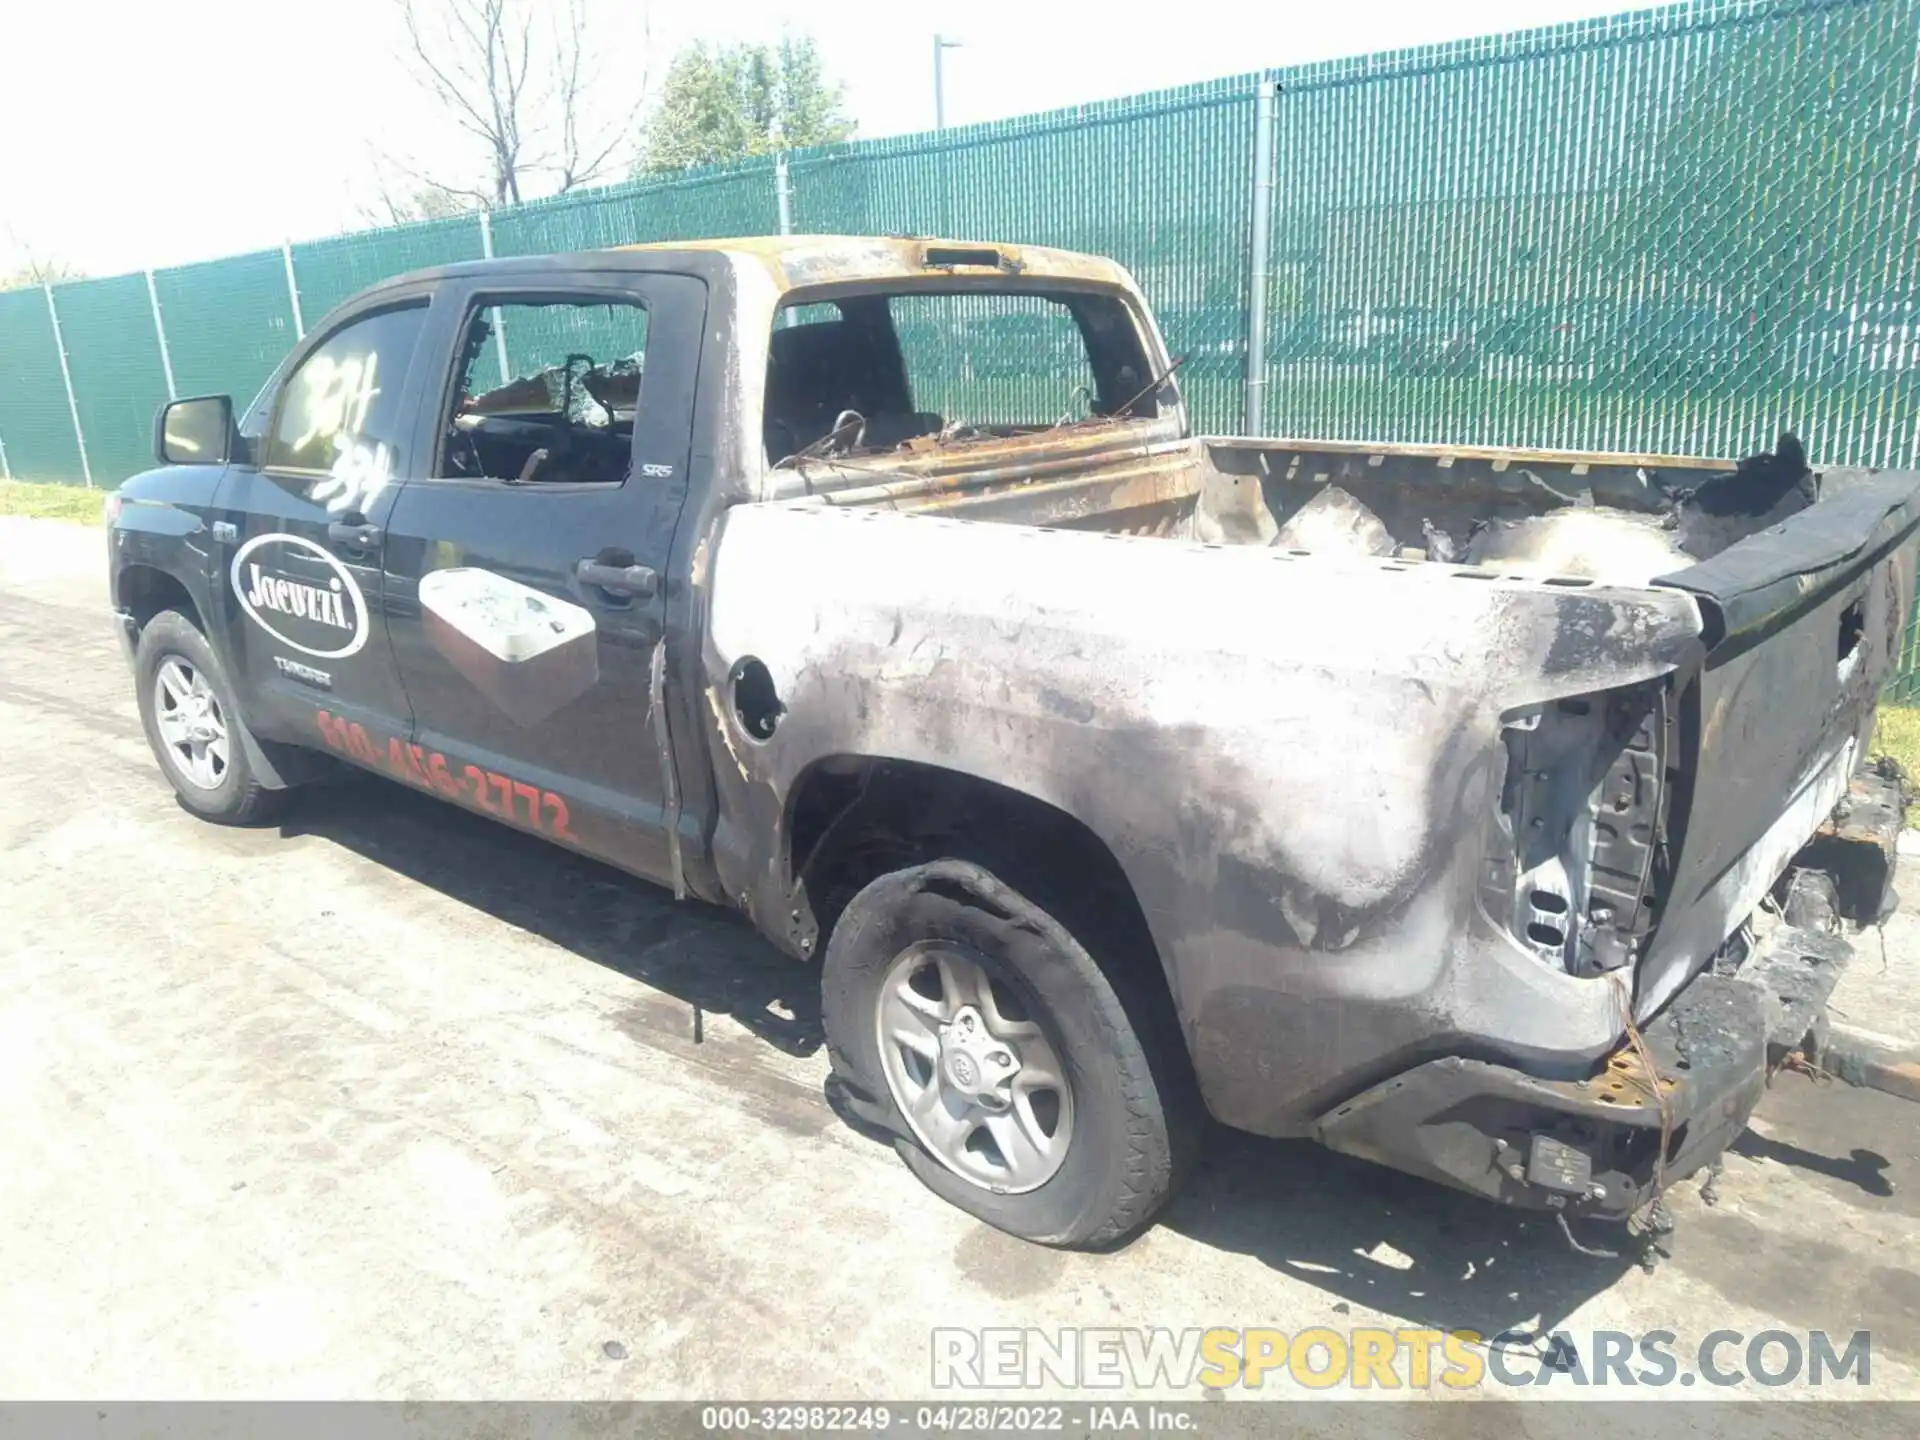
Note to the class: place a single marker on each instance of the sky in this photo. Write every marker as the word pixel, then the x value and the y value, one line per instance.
pixel 142 133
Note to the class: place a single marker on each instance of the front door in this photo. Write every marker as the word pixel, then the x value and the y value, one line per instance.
pixel 527 574
pixel 299 542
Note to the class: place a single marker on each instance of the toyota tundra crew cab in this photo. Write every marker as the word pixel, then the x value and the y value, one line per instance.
pixel 1493 815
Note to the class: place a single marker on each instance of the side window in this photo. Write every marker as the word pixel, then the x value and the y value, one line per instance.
pixel 547 392
pixel 339 415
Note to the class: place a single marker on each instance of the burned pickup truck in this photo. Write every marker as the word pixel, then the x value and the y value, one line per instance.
pixel 1472 811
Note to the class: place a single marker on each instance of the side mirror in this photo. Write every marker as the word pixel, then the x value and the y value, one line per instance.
pixel 195 432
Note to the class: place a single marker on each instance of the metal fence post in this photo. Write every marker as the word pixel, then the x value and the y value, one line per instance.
pixel 499 320
pixel 293 290
pixel 5 472
pixel 1252 414
pixel 66 377
pixel 160 334
pixel 783 192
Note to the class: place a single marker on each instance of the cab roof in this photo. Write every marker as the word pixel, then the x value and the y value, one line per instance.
pixel 796 262
pixel 799 261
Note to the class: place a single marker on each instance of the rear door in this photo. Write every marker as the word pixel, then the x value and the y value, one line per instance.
pixel 298 546
pixel 527 570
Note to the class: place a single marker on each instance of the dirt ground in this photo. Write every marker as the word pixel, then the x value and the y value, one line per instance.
pixel 389 1101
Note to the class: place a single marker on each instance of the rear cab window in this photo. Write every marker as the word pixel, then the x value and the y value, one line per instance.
pixel 873 371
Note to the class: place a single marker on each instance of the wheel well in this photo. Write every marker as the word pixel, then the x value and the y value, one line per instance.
pixel 855 818
pixel 145 592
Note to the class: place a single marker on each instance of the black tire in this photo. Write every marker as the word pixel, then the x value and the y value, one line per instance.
pixel 1137 1117
pixel 239 798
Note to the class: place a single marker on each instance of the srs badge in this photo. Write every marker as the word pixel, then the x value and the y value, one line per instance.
pixel 298 593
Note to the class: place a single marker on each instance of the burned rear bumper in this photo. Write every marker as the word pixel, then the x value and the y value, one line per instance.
pixel 1593 1146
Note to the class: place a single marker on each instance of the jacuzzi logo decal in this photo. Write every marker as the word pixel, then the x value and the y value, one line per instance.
pixel 326 605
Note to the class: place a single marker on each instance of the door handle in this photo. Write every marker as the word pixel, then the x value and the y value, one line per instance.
pixel 639 580
pixel 354 537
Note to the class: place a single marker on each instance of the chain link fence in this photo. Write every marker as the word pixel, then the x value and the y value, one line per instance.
pixel 1673 231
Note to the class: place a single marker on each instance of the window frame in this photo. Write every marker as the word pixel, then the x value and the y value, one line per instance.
pixel 1169 398
pixel 265 401
pixel 504 296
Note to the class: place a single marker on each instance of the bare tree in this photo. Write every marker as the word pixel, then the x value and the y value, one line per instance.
pixel 414 199
pixel 530 95
pixel 587 155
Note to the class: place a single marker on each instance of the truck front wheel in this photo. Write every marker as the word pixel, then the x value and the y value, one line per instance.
pixel 193 724
pixel 971 1024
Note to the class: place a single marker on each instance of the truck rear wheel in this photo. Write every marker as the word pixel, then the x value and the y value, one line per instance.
pixel 193 724
pixel 971 1024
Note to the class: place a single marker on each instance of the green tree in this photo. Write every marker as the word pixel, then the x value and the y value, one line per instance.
pixel 727 102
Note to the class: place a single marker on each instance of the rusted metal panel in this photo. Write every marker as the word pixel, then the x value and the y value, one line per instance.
pixel 799 262
pixel 1495 482
pixel 1859 843
pixel 1301 818
pixel 1872 1062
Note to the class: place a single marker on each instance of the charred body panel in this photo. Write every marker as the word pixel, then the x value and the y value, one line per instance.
pixel 1604 1144
pixel 1302 822
pixel 1858 846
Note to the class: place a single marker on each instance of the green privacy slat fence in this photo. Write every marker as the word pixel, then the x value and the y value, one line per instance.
pixel 118 379
pixel 1159 183
pixel 1676 230
pixel 726 200
pixel 228 323
pixel 36 429
pixel 329 271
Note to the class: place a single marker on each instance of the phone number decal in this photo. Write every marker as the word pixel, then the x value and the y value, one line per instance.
pixel 488 791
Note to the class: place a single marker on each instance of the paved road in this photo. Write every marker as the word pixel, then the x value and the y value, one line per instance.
pixel 389 1101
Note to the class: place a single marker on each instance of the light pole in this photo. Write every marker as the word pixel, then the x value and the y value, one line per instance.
pixel 940 46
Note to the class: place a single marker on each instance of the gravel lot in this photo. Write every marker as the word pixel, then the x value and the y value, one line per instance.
pixel 390 1102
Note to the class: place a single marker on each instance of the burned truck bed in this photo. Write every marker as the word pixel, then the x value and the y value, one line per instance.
pixel 1630 822
pixel 1622 519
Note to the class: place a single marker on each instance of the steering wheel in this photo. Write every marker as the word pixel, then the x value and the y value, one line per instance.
pixel 472 463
